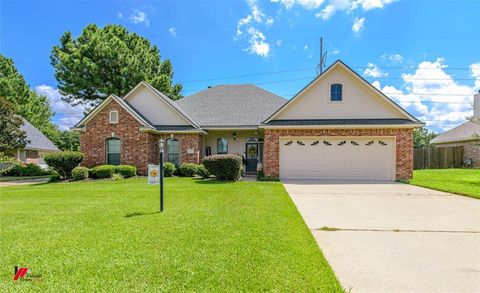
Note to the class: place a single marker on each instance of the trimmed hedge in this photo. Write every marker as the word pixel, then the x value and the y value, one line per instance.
pixel 168 169
pixel 202 172
pixel 26 170
pixel 224 167
pixel 107 171
pixel 64 162
pixel 187 170
pixel 80 173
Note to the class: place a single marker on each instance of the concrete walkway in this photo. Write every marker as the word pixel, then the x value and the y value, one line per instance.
pixel 393 237
pixel 24 182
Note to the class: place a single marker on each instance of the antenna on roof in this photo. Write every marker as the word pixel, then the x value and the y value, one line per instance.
pixel 323 58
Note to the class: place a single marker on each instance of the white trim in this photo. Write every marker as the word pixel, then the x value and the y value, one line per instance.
pixel 153 130
pixel 353 73
pixel 164 98
pixel 366 126
pixel 110 117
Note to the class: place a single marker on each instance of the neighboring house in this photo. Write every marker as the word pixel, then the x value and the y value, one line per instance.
pixel 466 135
pixel 38 145
pixel 338 127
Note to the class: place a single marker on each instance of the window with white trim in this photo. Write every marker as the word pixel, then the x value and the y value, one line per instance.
pixel 113 117
pixel 336 92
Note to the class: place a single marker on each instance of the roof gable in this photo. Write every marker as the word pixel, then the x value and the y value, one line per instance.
pixel 125 105
pixel 463 132
pixel 36 139
pixel 361 100
pixel 231 105
pixel 157 107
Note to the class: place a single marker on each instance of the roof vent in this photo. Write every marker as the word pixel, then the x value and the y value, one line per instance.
pixel 209 86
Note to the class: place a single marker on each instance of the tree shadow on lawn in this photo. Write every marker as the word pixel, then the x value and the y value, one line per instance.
pixel 212 181
pixel 136 214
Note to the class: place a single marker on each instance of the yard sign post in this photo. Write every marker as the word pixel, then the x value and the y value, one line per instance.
pixel 161 143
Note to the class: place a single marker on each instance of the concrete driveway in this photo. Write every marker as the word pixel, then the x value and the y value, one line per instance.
pixel 393 237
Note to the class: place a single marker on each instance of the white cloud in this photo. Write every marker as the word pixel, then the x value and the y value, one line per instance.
pixel 434 96
pixel 278 43
pixel 257 42
pixel 392 58
pixel 372 70
pixel 376 84
pixel 305 47
pixel 120 15
pixel 251 24
pixel 358 25
pixel 308 4
pixel 475 68
pixel 139 16
pixel 67 115
pixel 173 32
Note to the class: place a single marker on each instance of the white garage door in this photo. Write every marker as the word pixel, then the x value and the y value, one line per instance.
pixel 351 158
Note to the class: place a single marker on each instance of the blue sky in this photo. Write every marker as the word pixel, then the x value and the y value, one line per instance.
pixel 423 54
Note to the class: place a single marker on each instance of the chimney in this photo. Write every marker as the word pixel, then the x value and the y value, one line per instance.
pixel 476 104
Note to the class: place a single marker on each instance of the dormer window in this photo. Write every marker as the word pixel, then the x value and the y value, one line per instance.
pixel 336 92
pixel 113 117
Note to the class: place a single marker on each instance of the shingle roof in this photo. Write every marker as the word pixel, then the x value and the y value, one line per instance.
pixel 37 139
pixel 465 131
pixel 342 122
pixel 231 105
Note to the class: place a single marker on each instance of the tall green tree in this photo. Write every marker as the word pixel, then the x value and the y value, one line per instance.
pixel 108 60
pixel 67 140
pixel 422 137
pixel 26 103
pixel 11 135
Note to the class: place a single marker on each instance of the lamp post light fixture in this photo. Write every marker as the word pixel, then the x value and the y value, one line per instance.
pixel 234 136
pixel 161 144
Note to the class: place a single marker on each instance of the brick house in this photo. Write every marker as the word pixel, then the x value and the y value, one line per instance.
pixel 466 135
pixel 338 127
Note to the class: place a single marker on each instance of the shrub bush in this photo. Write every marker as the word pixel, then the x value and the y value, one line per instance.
pixel 203 172
pixel 26 170
pixel 224 167
pixel 80 173
pixel 125 170
pixel 107 171
pixel 168 169
pixel 64 162
pixel 7 163
pixel 261 177
pixel 187 170
pixel 101 171
pixel 55 177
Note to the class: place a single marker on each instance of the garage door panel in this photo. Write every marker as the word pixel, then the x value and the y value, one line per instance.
pixel 360 158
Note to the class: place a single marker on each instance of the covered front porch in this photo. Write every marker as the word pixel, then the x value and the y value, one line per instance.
pixel 247 143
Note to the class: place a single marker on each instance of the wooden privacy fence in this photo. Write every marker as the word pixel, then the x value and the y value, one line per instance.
pixel 438 157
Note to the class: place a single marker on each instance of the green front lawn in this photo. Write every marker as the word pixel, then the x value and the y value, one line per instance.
pixel 460 181
pixel 107 236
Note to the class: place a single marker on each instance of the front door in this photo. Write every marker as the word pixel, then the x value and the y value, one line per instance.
pixel 252 157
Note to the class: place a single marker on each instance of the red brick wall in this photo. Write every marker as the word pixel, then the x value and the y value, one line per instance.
pixel 471 150
pixel 137 148
pixel 404 146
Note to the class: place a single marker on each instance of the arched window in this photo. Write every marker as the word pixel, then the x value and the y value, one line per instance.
pixel 222 145
pixel 336 92
pixel 173 151
pixel 113 151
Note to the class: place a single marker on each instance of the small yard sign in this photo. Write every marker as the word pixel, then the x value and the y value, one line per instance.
pixel 153 174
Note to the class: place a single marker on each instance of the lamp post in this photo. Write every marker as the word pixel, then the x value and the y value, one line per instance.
pixel 161 143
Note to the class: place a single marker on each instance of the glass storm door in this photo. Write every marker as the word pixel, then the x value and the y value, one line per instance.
pixel 251 157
